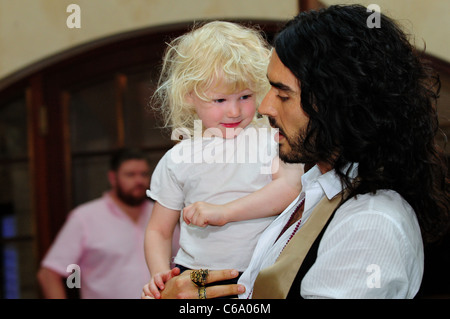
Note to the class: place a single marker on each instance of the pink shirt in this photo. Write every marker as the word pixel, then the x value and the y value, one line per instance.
pixel 107 246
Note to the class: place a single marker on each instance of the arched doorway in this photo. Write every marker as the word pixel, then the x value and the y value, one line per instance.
pixel 61 119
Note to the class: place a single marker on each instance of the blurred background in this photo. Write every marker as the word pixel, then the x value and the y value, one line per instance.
pixel 71 96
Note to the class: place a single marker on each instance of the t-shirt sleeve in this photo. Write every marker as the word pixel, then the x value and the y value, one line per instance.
pixel 165 186
pixel 67 247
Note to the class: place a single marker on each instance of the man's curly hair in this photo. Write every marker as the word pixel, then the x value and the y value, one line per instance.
pixel 371 100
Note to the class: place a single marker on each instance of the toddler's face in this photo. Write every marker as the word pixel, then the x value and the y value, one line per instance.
pixel 224 114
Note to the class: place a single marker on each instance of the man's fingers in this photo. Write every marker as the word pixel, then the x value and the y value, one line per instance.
pixel 224 290
pixel 219 275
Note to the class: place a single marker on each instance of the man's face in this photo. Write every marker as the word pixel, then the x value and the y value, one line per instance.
pixel 282 105
pixel 131 181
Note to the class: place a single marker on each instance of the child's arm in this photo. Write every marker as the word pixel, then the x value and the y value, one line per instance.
pixel 158 243
pixel 270 200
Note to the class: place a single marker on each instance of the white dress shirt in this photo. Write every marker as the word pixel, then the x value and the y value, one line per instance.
pixel 372 248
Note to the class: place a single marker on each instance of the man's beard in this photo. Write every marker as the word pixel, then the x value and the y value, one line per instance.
pixel 128 198
pixel 297 152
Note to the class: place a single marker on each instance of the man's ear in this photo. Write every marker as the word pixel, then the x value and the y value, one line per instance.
pixel 112 178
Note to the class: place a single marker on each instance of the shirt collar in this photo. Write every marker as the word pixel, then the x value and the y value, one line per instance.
pixel 115 209
pixel 329 182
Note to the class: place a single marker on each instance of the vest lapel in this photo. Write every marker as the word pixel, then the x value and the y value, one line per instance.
pixel 275 281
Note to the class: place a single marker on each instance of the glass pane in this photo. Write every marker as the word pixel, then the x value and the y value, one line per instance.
pixel 19 272
pixel 89 178
pixel 17 255
pixel 13 129
pixel 93 118
pixel 141 125
pixel 19 203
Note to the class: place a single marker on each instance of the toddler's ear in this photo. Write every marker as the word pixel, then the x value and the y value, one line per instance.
pixel 189 98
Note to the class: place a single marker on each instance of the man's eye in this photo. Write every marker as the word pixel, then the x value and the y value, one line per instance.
pixel 283 98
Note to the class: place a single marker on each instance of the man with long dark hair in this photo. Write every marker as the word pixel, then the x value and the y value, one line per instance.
pixel 358 105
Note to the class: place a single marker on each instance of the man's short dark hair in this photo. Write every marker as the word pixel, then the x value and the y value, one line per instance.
pixel 125 154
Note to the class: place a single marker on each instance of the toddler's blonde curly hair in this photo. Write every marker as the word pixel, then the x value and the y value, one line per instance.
pixel 218 51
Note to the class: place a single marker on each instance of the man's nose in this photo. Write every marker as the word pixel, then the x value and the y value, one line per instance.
pixel 141 178
pixel 267 105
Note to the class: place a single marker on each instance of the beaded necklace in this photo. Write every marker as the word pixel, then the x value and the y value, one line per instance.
pixel 289 223
pixel 286 227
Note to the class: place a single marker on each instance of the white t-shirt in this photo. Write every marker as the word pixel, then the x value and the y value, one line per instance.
pixel 217 171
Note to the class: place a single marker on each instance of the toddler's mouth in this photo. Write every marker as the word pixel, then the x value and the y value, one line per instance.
pixel 231 125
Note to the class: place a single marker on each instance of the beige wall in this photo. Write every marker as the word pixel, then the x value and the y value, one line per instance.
pixel 426 20
pixel 31 30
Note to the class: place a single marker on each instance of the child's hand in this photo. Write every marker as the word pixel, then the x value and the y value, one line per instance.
pixel 203 214
pixel 156 284
pixel 146 293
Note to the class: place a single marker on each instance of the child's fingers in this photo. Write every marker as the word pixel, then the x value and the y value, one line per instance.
pixel 159 282
pixel 187 214
pixel 199 219
pixel 154 290
pixel 170 274
pixel 192 214
pixel 175 271
pixel 146 293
